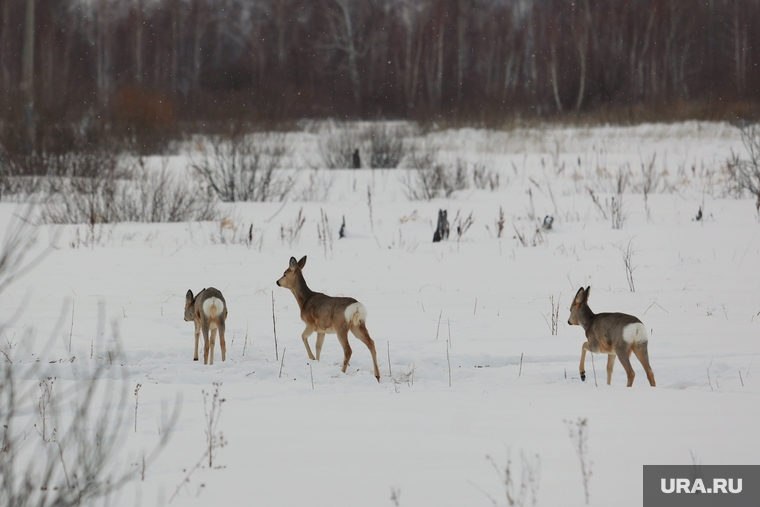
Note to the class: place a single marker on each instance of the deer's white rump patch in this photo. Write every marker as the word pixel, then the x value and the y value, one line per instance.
pixel 635 333
pixel 355 313
pixel 213 304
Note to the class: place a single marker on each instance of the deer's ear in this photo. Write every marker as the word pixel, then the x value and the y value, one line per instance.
pixel 579 296
pixel 302 262
pixel 189 295
pixel 292 264
pixel 588 291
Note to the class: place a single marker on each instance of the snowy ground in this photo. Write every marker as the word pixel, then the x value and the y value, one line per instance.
pixel 314 436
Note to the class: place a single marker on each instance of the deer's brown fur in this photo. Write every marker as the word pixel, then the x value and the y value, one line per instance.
pixel 326 314
pixel 208 310
pixel 615 334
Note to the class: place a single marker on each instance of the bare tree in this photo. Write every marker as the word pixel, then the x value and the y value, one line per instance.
pixel 344 24
pixel 27 83
pixel 408 52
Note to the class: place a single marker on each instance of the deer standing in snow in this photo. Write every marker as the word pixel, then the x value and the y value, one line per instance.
pixel 614 334
pixel 327 314
pixel 209 311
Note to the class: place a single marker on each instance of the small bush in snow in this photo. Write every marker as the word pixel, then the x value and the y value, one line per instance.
pixel 578 433
pixel 337 148
pixel 244 168
pixel 523 490
pixel 23 174
pixel 149 197
pixel 430 179
pixel 380 145
pixel 743 174
pixel 485 178
pixel 384 146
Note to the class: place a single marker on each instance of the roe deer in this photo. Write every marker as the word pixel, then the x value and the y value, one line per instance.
pixel 209 312
pixel 614 334
pixel 326 314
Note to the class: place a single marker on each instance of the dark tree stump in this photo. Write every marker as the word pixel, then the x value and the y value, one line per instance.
pixel 442 230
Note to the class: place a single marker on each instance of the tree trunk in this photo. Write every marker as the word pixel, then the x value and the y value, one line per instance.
pixel 175 46
pixel 103 52
pixel 27 83
pixel 197 36
pixel 553 71
pixel 139 42
pixel 462 12
pixel 4 37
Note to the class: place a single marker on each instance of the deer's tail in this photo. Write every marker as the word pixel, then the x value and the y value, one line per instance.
pixel 355 314
pixel 213 307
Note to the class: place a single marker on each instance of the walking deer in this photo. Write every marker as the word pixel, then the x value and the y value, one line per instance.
pixel 614 334
pixel 209 312
pixel 327 314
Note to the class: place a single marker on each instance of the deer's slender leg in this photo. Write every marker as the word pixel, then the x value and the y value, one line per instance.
pixel 204 328
pixel 320 341
pixel 197 337
pixel 623 353
pixel 305 336
pixel 610 366
pixel 583 361
pixel 212 345
pixel 362 334
pixel 343 339
pixel 222 343
pixel 640 349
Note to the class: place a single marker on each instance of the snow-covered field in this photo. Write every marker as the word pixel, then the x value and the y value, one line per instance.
pixel 471 373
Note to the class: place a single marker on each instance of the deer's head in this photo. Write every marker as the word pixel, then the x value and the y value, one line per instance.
pixel 581 299
pixel 189 306
pixel 291 275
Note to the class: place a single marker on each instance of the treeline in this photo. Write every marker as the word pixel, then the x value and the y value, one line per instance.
pixel 142 67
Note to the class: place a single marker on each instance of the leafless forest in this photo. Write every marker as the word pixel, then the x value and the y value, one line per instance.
pixel 146 70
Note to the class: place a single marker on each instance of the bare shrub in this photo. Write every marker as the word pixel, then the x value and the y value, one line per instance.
pixel 76 462
pixel 484 178
pixel 743 174
pixel 150 197
pixel 325 233
pixel 520 490
pixel 291 233
pixel 384 145
pixel 244 167
pixel 627 254
pixel 429 178
pixel 462 225
pixel 578 433
pixel 613 208
pixel 554 325
pixel 19 241
pixel 79 463
pixel 23 174
pixel 214 440
pixel 522 238
pixel 650 182
pixel 498 224
pixel 425 179
pixel 651 178
pixel 617 212
pixel 337 148
pixel 317 189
